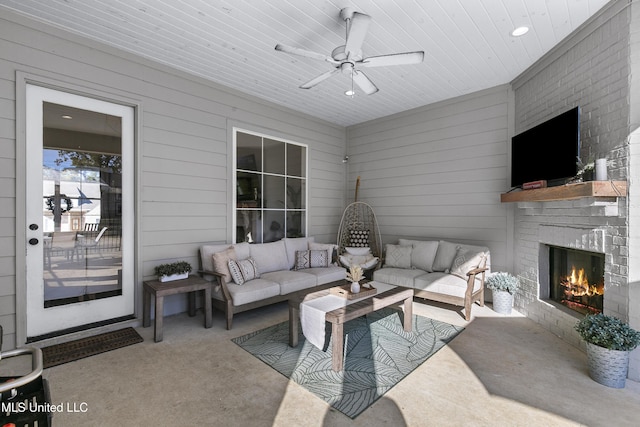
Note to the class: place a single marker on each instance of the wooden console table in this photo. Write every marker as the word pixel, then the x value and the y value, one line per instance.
pixel 159 290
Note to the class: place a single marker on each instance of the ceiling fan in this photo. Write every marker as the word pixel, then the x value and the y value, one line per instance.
pixel 348 57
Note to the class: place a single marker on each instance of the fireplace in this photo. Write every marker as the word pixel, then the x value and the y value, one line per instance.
pixel 576 279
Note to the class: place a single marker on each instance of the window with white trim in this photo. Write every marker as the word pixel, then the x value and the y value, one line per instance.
pixel 270 188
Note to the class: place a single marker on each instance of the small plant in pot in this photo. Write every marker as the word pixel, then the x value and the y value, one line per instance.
pixel 173 271
pixel 609 341
pixel 503 286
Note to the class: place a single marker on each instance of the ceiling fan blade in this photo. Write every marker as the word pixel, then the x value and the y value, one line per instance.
pixel 304 52
pixel 359 24
pixel 311 83
pixel 364 83
pixel 393 59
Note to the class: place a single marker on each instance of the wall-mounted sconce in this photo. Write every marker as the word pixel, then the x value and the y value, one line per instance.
pixel 346 159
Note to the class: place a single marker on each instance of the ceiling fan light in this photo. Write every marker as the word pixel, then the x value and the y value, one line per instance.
pixel 520 31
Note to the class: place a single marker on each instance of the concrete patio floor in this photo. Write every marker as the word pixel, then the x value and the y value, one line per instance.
pixel 500 371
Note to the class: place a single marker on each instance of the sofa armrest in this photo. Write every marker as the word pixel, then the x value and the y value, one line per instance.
pixel 222 284
pixel 476 271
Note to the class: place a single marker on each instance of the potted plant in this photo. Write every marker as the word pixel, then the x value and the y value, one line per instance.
pixel 173 271
pixel 503 286
pixel 609 341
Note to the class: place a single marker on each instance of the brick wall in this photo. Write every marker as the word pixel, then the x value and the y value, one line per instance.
pixel 592 69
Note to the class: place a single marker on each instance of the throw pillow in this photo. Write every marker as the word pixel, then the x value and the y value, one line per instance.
pixel 311 259
pixel 221 262
pixel 444 256
pixel 359 238
pixel 466 260
pixel 243 271
pixel 330 248
pixel 398 256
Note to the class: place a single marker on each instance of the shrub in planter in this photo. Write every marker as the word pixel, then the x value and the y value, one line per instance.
pixel 609 341
pixel 503 285
pixel 173 271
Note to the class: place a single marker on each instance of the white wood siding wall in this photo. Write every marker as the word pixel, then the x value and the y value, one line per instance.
pixel 183 150
pixel 438 171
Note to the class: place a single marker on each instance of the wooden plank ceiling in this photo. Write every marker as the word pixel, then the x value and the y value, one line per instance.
pixel 467 44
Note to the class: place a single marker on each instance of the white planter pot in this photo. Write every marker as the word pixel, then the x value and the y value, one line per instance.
pixel 173 277
pixel 608 367
pixel 502 302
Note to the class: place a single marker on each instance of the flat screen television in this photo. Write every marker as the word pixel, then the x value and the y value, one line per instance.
pixel 547 151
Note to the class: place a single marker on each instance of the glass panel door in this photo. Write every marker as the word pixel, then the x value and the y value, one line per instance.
pixel 79 206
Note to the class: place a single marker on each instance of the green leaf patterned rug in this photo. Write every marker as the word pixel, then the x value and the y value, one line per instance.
pixel 379 353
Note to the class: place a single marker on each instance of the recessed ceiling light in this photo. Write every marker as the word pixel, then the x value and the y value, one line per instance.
pixel 350 93
pixel 520 31
pixel 67 117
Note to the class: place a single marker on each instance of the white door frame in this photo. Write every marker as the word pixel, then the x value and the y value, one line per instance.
pixel 102 309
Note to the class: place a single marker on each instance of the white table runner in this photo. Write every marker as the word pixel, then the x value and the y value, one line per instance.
pixel 312 313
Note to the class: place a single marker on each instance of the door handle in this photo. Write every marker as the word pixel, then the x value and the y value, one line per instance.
pixel 33 241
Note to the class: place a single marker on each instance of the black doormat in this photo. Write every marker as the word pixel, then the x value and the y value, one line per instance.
pixel 73 350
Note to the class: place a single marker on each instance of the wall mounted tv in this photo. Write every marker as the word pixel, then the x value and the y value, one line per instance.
pixel 548 151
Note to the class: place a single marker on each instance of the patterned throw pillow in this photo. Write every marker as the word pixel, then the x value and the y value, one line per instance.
pixel 398 256
pixel 243 271
pixel 359 238
pixel 465 261
pixel 311 259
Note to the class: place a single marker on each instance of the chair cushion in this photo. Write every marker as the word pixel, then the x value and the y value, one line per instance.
pixel 270 256
pixel 397 276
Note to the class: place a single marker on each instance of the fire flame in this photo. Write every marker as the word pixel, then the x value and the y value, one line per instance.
pixel 577 284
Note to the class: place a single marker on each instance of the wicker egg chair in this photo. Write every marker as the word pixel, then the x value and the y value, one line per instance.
pixel 359 228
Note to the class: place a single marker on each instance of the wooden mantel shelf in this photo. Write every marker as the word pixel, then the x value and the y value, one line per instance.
pixel 606 189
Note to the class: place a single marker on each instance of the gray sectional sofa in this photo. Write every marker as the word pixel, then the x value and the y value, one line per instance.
pixel 266 273
pixel 438 270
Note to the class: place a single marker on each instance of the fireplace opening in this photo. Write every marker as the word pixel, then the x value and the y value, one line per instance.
pixel 576 279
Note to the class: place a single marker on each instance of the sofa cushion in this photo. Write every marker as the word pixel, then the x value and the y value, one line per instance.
pixel 328 274
pixel 423 253
pixel 365 250
pixel 270 256
pixel 293 244
pixel 444 256
pixel 311 259
pixel 444 283
pixel 397 276
pixel 253 290
pixel 243 270
pixel 291 281
pixel 398 256
pixel 221 262
pixel 466 259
